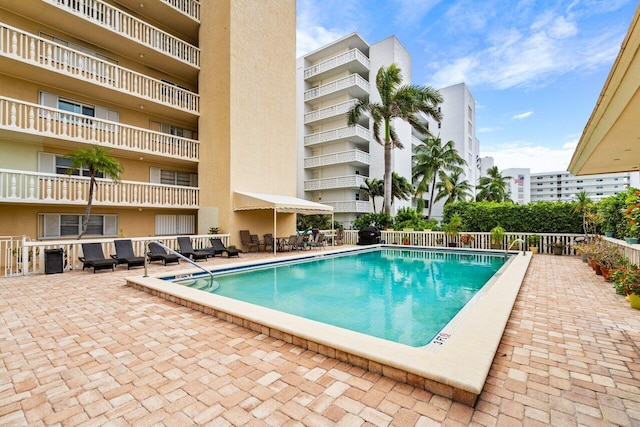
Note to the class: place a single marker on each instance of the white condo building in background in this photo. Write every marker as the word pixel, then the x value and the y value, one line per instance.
pixel 334 158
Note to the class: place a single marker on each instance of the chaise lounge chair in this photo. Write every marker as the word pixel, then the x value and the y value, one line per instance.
pixel 93 257
pixel 187 250
pixel 124 254
pixel 218 248
pixel 157 253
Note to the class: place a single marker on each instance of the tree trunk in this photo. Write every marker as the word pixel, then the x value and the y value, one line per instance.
pixel 388 182
pixel 433 190
pixel 85 219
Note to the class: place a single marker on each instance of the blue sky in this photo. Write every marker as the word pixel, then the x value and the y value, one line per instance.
pixel 535 68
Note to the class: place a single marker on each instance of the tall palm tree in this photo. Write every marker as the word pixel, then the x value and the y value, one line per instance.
pixel 493 187
pixel 430 157
pixel 454 187
pixel 401 188
pixel 396 101
pixel 373 188
pixel 96 160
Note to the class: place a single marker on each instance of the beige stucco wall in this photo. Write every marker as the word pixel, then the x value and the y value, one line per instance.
pixel 248 116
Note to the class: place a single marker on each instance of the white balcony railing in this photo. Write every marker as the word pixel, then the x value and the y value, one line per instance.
pixel 36 187
pixel 338 158
pixel 337 85
pixel 132 28
pixel 336 61
pixel 31 49
pixel 351 206
pixel 190 8
pixel 35 119
pixel 348 181
pixel 346 132
pixel 335 110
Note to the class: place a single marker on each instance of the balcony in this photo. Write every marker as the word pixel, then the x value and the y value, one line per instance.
pixel 132 28
pixel 352 85
pixel 349 181
pixel 355 133
pixel 353 61
pixel 52 189
pixel 58 127
pixel 89 75
pixel 343 157
pixel 325 114
pixel 351 206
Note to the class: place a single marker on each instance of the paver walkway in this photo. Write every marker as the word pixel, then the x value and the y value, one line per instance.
pixel 83 349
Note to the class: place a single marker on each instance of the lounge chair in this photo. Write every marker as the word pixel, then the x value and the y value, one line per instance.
pixel 268 242
pixel 93 257
pixel 187 250
pixel 318 242
pixel 157 253
pixel 218 248
pixel 247 242
pixel 124 254
pixel 256 241
pixel 339 236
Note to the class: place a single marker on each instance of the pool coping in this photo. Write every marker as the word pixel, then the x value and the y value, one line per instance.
pixel 458 370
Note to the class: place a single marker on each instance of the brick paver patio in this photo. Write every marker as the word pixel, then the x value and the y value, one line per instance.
pixel 83 349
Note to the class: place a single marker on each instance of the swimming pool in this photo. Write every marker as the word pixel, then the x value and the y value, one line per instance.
pixel 402 295
pixel 455 364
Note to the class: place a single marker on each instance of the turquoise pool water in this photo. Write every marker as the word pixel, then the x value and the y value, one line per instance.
pixel 401 295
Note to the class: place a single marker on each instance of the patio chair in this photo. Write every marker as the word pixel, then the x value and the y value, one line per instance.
pixel 292 243
pixel 256 241
pixel 247 242
pixel 93 257
pixel 319 241
pixel 125 255
pixel 268 241
pixel 218 248
pixel 339 236
pixel 187 250
pixel 157 253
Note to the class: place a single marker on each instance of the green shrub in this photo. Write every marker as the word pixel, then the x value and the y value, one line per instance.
pixel 379 220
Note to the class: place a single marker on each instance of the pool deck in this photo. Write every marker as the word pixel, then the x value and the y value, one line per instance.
pixel 84 349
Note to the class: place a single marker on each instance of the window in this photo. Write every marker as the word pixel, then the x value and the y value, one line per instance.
pixel 54 101
pixel 172 130
pixel 55 163
pixel 167 225
pixel 357 196
pixel 51 225
pixel 169 177
pixel 599 180
pixel 439 125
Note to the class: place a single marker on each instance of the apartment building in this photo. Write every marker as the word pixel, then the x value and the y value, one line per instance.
pixel 334 158
pixel 169 87
pixel 563 186
pixel 519 188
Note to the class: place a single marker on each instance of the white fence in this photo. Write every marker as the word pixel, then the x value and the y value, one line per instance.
pixel 20 256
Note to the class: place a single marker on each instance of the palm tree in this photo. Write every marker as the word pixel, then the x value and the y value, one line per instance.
pixel 583 206
pixel 454 187
pixel 401 188
pixel 96 160
pixel 396 101
pixel 430 157
pixel 493 187
pixel 373 188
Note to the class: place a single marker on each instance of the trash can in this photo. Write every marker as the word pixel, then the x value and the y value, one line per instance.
pixel 53 261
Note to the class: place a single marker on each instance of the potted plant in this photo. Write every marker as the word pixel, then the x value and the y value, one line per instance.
pixel 452 228
pixel 467 240
pixel 405 240
pixel 496 236
pixel 558 248
pixel 632 213
pixel 626 281
pixel 534 243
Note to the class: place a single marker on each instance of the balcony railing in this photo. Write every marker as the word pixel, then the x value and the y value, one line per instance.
pixel 35 119
pixel 338 158
pixel 348 181
pixel 31 49
pixel 36 187
pixel 133 28
pixel 335 110
pixel 351 206
pixel 190 8
pixel 336 61
pixel 337 85
pixel 346 132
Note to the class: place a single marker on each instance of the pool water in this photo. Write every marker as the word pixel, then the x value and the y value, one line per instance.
pixel 401 295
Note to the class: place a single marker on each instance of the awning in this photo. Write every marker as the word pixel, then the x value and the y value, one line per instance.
pixel 244 201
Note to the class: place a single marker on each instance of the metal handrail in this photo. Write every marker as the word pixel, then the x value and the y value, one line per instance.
pixel 146 247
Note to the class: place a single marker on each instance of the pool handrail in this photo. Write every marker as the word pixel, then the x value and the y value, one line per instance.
pixel 146 245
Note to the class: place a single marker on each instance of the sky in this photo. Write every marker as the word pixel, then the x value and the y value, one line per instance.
pixel 535 68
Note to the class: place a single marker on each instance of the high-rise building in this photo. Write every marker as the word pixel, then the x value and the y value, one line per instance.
pixel 334 158
pixel 170 88
pixel 563 186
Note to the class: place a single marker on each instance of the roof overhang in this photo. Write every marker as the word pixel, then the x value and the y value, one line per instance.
pixel 244 201
pixel 610 141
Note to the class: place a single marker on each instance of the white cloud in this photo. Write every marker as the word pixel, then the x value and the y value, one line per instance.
pixel 522 115
pixel 538 158
pixel 410 12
